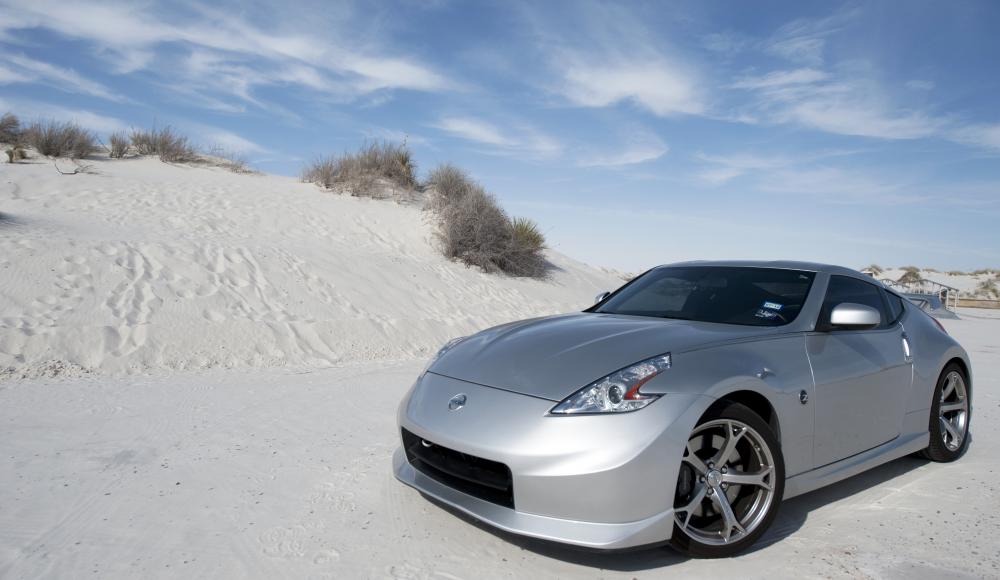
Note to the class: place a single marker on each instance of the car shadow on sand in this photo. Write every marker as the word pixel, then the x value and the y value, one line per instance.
pixel 9 221
pixel 791 517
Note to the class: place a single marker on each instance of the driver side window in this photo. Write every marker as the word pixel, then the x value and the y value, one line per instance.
pixel 847 289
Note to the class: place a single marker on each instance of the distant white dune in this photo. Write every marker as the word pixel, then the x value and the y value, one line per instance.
pixel 966 283
pixel 143 266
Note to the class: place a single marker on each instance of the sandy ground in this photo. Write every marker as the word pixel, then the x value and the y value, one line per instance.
pixel 276 473
pixel 199 373
pixel 142 267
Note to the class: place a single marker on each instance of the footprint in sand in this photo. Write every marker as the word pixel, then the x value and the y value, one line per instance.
pixel 214 315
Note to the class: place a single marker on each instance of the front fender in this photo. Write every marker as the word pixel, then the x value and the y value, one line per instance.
pixel 723 370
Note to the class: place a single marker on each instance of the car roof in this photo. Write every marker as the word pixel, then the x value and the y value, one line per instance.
pixel 780 264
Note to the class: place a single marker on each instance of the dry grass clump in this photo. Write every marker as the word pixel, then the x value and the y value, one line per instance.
pixel 219 156
pixel 55 139
pixel 165 143
pixel 910 276
pixel 10 129
pixel 237 163
pixel 875 269
pixel 477 231
pixel 365 172
pixel 448 184
pixel 15 153
pixel 322 172
pixel 118 145
pixel 955 273
pixel 988 288
pixel 982 272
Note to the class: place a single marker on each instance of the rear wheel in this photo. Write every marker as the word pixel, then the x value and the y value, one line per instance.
pixel 950 412
pixel 730 483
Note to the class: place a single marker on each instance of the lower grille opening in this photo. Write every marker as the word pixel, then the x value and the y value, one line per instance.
pixel 478 477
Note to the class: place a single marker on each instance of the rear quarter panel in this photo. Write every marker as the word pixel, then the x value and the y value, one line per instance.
pixel 932 349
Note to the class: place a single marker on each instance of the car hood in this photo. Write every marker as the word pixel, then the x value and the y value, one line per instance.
pixel 554 357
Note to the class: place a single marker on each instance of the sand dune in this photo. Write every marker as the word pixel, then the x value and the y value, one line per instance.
pixel 142 266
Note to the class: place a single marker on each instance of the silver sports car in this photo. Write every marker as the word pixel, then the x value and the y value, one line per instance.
pixel 684 406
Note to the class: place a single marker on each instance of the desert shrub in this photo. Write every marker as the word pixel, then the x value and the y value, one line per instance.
pixel 474 229
pixel 165 143
pixel 988 288
pixel 10 129
pixel 982 272
pixel 446 185
pixel 55 139
pixel 932 270
pixel 875 269
pixel 15 154
pixel 118 145
pixel 322 171
pixel 526 255
pixel 360 172
pixel 234 161
pixel 910 277
pixel 956 273
pixel 527 234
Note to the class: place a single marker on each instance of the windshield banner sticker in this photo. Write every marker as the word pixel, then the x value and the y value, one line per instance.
pixel 771 306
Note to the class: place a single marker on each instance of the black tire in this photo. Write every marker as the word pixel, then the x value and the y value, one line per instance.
pixel 937 450
pixel 693 547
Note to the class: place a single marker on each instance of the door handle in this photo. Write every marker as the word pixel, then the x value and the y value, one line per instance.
pixel 907 351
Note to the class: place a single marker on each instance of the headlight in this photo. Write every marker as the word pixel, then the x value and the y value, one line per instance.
pixel 617 392
pixel 447 346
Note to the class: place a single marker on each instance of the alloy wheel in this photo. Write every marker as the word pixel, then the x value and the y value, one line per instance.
pixel 727 483
pixel 953 411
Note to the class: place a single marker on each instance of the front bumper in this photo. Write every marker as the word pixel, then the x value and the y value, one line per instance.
pixel 599 481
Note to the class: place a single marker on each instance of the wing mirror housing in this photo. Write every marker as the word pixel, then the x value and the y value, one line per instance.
pixel 851 316
pixel 600 297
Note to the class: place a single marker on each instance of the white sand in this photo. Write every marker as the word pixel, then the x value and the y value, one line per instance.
pixel 145 266
pixel 271 474
pixel 285 472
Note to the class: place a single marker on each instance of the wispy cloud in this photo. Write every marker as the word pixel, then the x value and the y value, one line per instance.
pixel 839 186
pixel 978 135
pixel 804 40
pixel 23 69
pixel 640 147
pixel 781 78
pixel 474 130
pixel 227 141
pixel 517 139
pixel 87 119
pixel 620 61
pixel 846 105
pixel 658 85
pixel 227 55
pixel 723 168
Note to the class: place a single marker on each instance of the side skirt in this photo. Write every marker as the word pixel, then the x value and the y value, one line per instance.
pixel 851 466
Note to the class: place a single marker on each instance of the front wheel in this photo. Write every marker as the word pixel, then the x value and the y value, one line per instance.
pixel 730 483
pixel 950 413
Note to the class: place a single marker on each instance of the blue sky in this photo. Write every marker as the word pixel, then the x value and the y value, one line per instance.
pixel 635 134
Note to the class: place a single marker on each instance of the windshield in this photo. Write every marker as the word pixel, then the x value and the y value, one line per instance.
pixel 729 295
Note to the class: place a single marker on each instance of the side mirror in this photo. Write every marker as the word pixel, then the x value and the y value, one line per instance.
pixel 600 297
pixel 849 315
